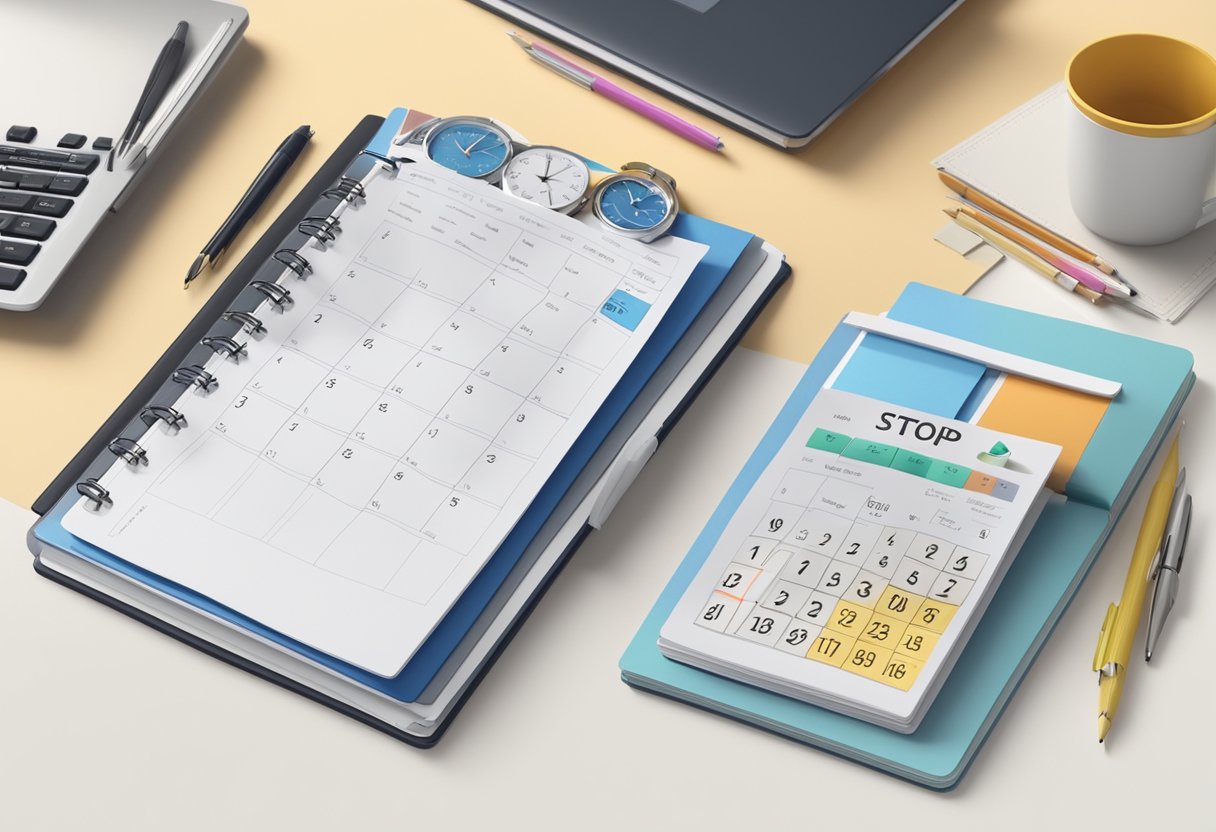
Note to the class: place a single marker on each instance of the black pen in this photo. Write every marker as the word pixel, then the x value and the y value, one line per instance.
pixel 282 160
pixel 157 84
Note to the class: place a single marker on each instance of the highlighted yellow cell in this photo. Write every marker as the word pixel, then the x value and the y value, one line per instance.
pixel 981 482
pixel 849 619
pixel 917 642
pixel 900 671
pixel 884 631
pixel 868 660
pixel 831 648
pixel 898 603
pixel 934 615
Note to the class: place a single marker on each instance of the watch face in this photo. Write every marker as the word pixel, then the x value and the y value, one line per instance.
pixel 633 204
pixel 547 176
pixel 468 147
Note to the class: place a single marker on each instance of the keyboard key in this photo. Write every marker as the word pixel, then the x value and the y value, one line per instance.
pixel 19 133
pixel 73 140
pixel 103 143
pixel 29 228
pixel 34 181
pixel 57 160
pixel 19 254
pixel 69 185
pixel 10 279
pixel 15 202
pixel 50 206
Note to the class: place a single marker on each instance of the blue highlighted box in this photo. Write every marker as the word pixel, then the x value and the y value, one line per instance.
pixel 624 309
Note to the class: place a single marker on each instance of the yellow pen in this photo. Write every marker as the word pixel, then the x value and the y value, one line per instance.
pixel 1019 252
pixel 1123 619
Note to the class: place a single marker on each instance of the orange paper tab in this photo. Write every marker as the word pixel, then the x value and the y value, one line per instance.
pixel 1023 407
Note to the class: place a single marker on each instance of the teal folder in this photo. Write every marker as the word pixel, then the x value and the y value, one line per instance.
pixel 1042 580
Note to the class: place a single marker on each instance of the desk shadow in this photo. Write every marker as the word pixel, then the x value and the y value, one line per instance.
pixel 94 270
pixel 874 119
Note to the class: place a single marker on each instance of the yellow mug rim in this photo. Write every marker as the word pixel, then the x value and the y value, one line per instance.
pixel 1137 128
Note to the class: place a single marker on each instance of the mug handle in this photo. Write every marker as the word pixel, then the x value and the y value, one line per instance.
pixel 1207 213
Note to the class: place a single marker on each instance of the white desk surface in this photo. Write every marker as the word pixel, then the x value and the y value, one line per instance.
pixel 102 719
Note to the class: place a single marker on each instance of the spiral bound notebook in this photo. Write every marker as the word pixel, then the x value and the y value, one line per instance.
pixel 386 432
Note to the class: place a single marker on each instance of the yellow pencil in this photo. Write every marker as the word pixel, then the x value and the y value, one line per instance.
pixel 1025 223
pixel 1022 254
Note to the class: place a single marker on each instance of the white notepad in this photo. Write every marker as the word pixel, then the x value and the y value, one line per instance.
pixel 363 458
pixel 1020 160
pixel 857 566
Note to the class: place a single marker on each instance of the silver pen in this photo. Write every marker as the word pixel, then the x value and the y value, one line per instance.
pixel 1168 564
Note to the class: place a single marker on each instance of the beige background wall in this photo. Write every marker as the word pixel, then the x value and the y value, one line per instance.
pixel 855 211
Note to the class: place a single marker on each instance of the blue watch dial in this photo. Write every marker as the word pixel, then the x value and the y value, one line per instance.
pixel 633 204
pixel 467 148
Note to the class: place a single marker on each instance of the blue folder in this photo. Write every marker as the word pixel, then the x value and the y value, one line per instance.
pixel 1043 578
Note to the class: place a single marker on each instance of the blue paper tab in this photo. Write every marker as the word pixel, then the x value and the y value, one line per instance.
pixel 909 375
pixel 624 309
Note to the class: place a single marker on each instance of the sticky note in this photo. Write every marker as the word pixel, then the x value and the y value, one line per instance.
pixel 912 463
pixel 934 615
pixel 624 309
pixel 898 603
pixel 909 375
pixel 831 648
pixel 900 672
pixel 947 473
pixel 849 619
pixel 876 453
pixel 826 440
pixel 868 660
pixel 1024 407
pixel 981 482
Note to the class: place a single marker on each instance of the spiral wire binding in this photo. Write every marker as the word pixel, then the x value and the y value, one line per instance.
pixel 195 374
pixel 128 449
pixel 250 323
pixel 293 260
pixel 95 492
pixel 225 346
pixel 171 416
pixel 273 291
pixel 322 229
pixel 348 190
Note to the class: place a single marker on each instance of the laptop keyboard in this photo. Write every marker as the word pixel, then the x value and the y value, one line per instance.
pixel 36 189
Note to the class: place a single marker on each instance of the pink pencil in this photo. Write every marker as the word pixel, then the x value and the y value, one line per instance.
pixel 587 79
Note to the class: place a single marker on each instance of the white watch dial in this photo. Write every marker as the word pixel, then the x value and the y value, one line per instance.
pixel 547 176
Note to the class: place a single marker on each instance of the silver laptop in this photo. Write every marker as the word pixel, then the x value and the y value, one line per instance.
pixel 79 67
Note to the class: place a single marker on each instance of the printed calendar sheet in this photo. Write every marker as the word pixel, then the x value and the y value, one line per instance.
pixel 862 556
pixel 360 460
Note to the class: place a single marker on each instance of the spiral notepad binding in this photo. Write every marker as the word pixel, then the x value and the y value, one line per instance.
pixel 172 417
pixel 128 449
pixel 249 323
pixel 94 492
pixel 195 374
pixel 293 260
pixel 224 345
pixel 323 229
pixel 273 291
pixel 347 189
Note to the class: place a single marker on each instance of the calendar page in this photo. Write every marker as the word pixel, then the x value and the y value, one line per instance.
pixel 360 460
pixel 853 566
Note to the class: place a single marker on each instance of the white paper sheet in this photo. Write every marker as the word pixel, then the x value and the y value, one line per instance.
pixel 354 471
pixel 1020 160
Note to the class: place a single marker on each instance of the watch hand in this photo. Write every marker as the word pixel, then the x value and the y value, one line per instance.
pixel 548 163
pixel 555 175
pixel 469 149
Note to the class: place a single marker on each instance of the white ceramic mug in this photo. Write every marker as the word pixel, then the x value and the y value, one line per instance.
pixel 1142 138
